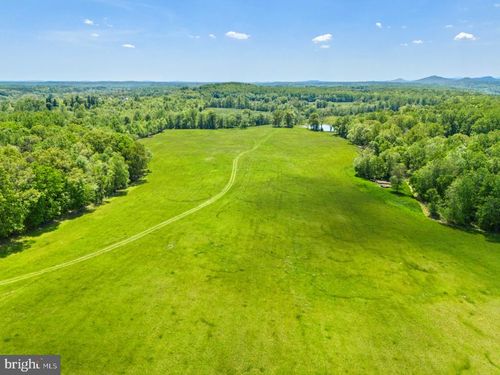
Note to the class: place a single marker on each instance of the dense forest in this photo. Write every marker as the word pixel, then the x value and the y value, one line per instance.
pixel 449 153
pixel 65 147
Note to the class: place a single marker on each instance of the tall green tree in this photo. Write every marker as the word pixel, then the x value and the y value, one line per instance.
pixel 314 122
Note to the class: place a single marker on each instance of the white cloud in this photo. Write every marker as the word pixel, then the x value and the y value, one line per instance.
pixel 448 27
pixel 194 36
pixel 379 25
pixel 404 44
pixel 324 46
pixel 237 35
pixel 94 35
pixel 212 36
pixel 128 45
pixel 465 36
pixel 86 21
pixel 322 38
pixel 106 23
pixel 418 41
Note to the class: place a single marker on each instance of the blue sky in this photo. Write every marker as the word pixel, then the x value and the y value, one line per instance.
pixel 252 40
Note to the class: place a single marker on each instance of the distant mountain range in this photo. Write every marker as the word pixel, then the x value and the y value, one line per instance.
pixel 485 84
pixel 431 80
pixel 437 80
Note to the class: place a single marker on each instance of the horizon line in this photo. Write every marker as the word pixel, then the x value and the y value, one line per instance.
pixel 396 80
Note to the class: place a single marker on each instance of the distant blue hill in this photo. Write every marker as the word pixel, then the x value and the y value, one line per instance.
pixel 457 81
pixel 485 84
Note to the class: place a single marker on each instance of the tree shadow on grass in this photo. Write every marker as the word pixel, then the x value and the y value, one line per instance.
pixel 140 181
pixel 16 244
pixel 12 246
pixel 124 192
pixel 399 193
pixel 489 236
pixel 71 215
pixel 492 237
pixel 120 193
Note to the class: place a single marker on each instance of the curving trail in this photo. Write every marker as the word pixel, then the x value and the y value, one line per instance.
pixel 144 233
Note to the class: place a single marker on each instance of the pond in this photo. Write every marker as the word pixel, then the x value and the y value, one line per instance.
pixel 324 127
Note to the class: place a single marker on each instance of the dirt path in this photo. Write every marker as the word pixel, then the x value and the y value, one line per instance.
pixel 144 233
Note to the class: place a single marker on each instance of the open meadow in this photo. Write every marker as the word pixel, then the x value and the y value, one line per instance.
pixel 298 267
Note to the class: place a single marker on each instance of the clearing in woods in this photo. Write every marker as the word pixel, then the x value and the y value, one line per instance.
pixel 297 266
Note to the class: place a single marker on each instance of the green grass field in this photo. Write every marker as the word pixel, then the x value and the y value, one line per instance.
pixel 300 268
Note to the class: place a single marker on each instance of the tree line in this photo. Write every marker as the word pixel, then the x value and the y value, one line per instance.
pixel 449 153
pixel 64 147
pixel 48 171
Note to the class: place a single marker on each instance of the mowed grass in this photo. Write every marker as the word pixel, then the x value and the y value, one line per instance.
pixel 300 268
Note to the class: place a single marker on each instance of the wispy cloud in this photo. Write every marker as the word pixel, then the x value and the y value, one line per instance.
pixel 448 27
pixel 212 36
pixel 82 36
pixel 379 25
pixel 418 41
pixel 106 22
pixel 465 36
pixel 237 35
pixel 496 5
pixel 324 46
pixel 194 36
pixel 89 22
pixel 128 45
pixel 404 44
pixel 322 38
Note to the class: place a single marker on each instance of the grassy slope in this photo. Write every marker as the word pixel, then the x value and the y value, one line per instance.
pixel 300 267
